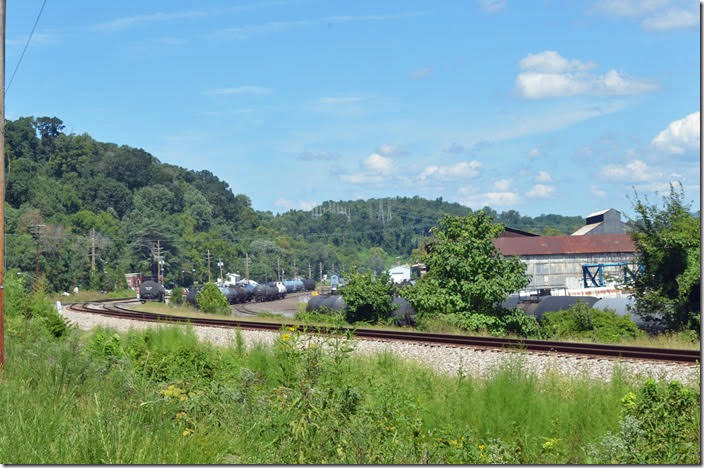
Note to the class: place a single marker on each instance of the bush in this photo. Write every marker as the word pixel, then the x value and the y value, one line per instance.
pixel 660 425
pixel 211 300
pixel 582 321
pixel 176 296
pixel 29 312
pixel 368 299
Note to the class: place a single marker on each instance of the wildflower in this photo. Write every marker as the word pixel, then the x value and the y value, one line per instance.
pixel 291 329
pixel 482 446
pixel 550 443
pixel 285 337
pixel 187 432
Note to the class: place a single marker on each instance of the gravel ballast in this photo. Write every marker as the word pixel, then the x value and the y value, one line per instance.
pixel 450 360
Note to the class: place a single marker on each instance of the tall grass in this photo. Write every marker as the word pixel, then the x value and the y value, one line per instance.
pixel 161 396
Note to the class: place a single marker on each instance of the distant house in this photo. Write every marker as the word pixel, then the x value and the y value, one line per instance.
pixel 401 273
pixel 603 222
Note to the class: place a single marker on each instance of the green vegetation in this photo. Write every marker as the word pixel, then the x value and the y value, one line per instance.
pixel 581 321
pixel 160 396
pixel 668 250
pixel 467 277
pixel 176 298
pixel 210 300
pixel 367 299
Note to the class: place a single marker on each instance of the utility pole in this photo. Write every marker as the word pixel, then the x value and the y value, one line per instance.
pixel 92 249
pixel 2 187
pixel 209 277
pixel 295 272
pixel 320 277
pixel 333 268
pixel 158 261
pixel 278 269
pixel 36 231
pixel 246 266
pixel 310 274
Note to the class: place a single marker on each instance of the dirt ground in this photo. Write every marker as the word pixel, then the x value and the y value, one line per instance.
pixel 286 306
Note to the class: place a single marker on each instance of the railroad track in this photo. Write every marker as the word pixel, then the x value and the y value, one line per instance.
pixel 118 308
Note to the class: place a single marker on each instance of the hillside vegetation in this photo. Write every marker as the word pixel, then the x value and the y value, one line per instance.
pixel 68 193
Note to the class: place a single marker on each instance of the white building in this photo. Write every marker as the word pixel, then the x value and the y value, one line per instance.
pixel 400 273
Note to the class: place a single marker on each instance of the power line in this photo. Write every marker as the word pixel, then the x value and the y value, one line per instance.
pixel 25 46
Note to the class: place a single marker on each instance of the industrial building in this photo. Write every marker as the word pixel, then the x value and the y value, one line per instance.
pixel 599 255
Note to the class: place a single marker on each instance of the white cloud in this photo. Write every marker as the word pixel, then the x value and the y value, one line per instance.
pixel 679 136
pixel 658 15
pixel 534 153
pixel 548 74
pixel 629 7
pixel 540 191
pixel 635 171
pixel 672 19
pixel 240 90
pixel 502 184
pixel 543 176
pixel 392 150
pixel 378 163
pixel 417 74
pixel 596 191
pixel 469 197
pixel 492 6
pixel 248 31
pixel 551 62
pixel 460 170
pixel 293 205
pixel 361 178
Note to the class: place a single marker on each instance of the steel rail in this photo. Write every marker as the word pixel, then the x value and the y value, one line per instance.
pixel 558 347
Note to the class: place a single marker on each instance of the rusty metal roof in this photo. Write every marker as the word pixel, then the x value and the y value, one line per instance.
pixel 557 245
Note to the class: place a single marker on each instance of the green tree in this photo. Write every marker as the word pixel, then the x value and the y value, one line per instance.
pixel 367 299
pixel 211 300
pixel 667 284
pixel 466 272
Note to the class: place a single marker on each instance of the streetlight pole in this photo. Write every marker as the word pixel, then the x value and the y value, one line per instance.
pixel 220 264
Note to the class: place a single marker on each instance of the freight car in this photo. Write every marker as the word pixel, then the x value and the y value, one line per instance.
pixel 151 291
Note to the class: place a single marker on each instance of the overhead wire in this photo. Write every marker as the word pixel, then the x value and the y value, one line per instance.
pixel 26 44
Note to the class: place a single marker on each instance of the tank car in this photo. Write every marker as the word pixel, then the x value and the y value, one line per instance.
pixel 151 291
pixel 309 284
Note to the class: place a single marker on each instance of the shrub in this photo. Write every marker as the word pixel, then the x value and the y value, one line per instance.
pixel 582 321
pixel 176 296
pixel 368 299
pixel 660 425
pixel 211 300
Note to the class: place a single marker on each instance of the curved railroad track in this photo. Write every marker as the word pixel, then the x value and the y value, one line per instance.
pixel 118 308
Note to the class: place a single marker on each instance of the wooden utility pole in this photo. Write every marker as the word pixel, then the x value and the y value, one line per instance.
pixel 2 186
pixel 246 267
pixel 158 261
pixel 208 265
pixel 295 272
pixel 320 277
pixel 310 274
pixel 278 269
pixel 36 232
pixel 92 249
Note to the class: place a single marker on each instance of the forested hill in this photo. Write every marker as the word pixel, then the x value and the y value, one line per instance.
pixel 369 222
pixel 68 193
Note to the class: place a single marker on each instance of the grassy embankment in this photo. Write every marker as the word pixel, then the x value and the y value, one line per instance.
pixel 163 397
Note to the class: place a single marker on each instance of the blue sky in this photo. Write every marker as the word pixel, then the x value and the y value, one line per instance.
pixel 538 106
